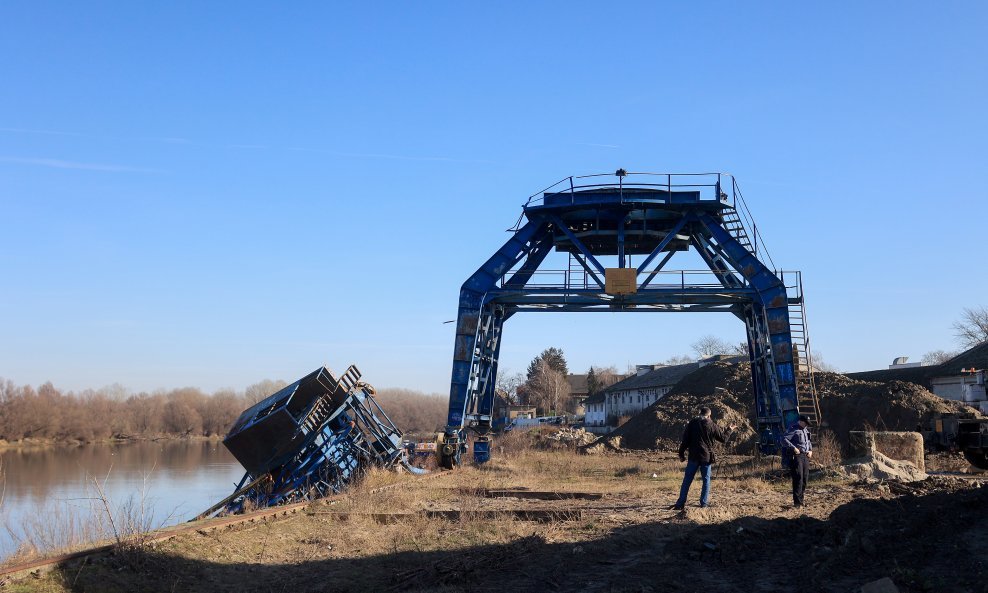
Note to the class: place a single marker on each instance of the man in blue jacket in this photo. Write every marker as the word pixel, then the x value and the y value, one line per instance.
pixel 797 448
pixel 698 439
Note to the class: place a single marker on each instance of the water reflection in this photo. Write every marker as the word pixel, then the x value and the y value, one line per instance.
pixel 181 479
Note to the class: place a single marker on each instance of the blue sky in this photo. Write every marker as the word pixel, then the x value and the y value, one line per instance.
pixel 208 194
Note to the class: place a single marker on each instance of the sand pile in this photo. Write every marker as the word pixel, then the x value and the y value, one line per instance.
pixel 846 404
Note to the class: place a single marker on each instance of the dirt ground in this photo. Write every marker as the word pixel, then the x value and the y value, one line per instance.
pixel 451 533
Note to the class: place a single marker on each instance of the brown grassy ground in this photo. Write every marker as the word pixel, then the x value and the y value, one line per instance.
pixel 923 536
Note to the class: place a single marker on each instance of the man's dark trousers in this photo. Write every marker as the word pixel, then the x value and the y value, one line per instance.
pixel 799 468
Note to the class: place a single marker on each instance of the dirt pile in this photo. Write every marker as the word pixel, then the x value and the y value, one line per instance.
pixel 846 404
pixel 571 436
pixel 722 386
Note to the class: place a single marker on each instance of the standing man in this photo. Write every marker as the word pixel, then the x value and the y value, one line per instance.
pixel 698 439
pixel 798 449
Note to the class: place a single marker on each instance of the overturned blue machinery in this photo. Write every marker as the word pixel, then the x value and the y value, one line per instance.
pixel 609 219
pixel 309 440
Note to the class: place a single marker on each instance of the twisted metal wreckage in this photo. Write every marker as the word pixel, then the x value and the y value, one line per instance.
pixel 309 440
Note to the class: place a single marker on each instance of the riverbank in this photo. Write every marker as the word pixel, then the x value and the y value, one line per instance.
pixel 52 497
pixel 555 520
pixel 38 444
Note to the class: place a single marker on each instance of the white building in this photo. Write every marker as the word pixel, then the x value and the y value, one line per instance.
pixel 649 384
pixel 962 378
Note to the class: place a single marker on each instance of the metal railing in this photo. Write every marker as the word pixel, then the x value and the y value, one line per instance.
pixel 719 187
pixel 710 187
pixel 793 281
pixel 580 279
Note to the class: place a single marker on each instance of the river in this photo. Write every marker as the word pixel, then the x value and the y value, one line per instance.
pixel 51 493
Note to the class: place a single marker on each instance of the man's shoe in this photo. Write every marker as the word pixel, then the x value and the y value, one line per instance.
pixel 676 507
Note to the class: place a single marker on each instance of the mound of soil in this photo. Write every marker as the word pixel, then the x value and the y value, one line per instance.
pixel 722 386
pixel 846 405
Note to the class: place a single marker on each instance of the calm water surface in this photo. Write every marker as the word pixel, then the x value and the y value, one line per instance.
pixel 181 478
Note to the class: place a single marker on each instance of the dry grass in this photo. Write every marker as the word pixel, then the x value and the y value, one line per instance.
pixel 827 450
pixel 50 528
pixel 58 527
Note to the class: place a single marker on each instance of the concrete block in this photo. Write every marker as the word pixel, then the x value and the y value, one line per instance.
pixel 901 446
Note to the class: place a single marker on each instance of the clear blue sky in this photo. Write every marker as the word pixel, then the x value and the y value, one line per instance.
pixel 211 194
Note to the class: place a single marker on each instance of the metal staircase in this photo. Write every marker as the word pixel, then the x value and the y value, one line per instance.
pixel 734 226
pixel 350 378
pixel 809 403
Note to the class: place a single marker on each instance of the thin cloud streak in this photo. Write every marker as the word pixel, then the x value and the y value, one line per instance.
pixel 186 142
pixel 403 157
pixel 397 157
pixel 42 132
pixel 62 164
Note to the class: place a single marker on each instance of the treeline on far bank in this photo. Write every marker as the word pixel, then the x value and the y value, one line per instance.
pixel 47 413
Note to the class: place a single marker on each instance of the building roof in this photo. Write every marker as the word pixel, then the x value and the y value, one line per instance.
pixel 918 375
pixel 577 383
pixel 664 376
pixel 597 398
pixel 976 357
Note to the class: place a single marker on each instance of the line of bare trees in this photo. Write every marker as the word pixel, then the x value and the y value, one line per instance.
pixel 92 415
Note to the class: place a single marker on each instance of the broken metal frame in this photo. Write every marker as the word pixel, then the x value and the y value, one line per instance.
pixel 309 440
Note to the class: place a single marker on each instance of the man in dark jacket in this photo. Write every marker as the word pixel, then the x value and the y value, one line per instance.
pixel 698 440
pixel 797 450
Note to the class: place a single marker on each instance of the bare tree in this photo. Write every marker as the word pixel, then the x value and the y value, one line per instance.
pixel 935 357
pixel 262 389
pixel 219 412
pixel 710 345
pixel 683 359
pixel 508 384
pixel 821 365
pixel 181 413
pixel 972 328
pixel 607 376
pixel 414 412
pixel 546 387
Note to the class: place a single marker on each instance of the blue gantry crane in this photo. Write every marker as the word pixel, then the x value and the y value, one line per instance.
pixel 611 219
